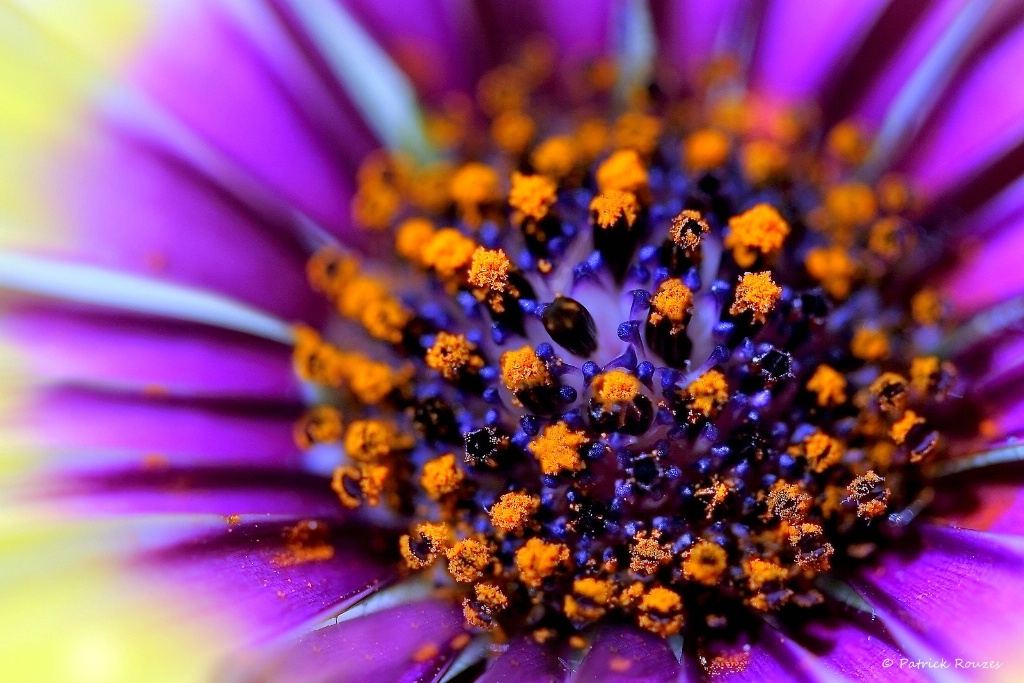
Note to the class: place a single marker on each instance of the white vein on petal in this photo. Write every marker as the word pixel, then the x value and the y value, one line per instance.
pixel 403 592
pixel 470 655
pixel 378 88
pixel 997 455
pixel 635 47
pixel 86 284
pixel 915 101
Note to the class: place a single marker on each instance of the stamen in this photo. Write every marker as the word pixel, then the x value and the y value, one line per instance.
pixel 321 424
pixel 557 449
pixel 869 344
pixel 571 326
pixel 705 562
pixel 829 385
pixel 513 511
pixel 489 269
pixel 468 559
pixel 756 233
pixel 532 195
pixel 756 293
pixel 556 157
pixel 474 186
pixel 688 228
pixel 614 206
pixel 615 388
pixel 706 150
pixel 441 476
pixel 623 171
pixel 448 252
pixel 453 356
pixel 538 560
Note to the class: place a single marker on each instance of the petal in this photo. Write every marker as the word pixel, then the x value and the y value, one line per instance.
pixel 525 661
pixel 412 642
pixel 624 653
pixel 802 44
pixel 249 575
pixel 954 597
pixel 693 30
pixel 81 346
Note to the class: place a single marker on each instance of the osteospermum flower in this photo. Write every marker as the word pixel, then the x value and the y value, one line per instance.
pixel 582 341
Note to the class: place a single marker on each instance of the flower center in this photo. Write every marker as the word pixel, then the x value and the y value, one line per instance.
pixel 662 367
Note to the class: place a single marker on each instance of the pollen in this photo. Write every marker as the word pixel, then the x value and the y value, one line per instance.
pixel 637 131
pixel 598 591
pixel 889 390
pixel 822 451
pixel 615 387
pixel 763 161
pixel 532 195
pixel 306 541
pixel 926 307
pixel 513 511
pixel 489 269
pixel 671 302
pixel 705 562
pixel 513 131
pixel 708 393
pixel 851 204
pixel 473 186
pixel 613 206
pixel 537 560
pixel 833 268
pixel 661 612
pixel 360 484
pixel 647 555
pixel 556 157
pixel 623 170
pixel 848 143
pixel 448 252
pixel 441 476
pixel 756 233
pixel 452 354
pixel 591 139
pixel 687 229
pixel 901 429
pixel 557 449
pixel 788 502
pixel 706 149
pixel 522 369
pixel 829 385
pixel 368 440
pixel 412 237
pixel 329 269
pixel 371 381
pixel 488 603
pixel 869 344
pixel 923 371
pixel 421 548
pixel 756 293
pixel 761 572
pixel 375 205
pixel 321 424
pixel 468 559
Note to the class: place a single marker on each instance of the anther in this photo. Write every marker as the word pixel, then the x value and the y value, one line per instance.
pixel 757 233
pixel 571 326
pixel 665 328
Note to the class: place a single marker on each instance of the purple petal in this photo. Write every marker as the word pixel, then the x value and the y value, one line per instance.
pixel 218 432
pixel 412 642
pixel 802 43
pixel 525 661
pixel 249 574
pixel 72 345
pixel 957 596
pixel 689 33
pixel 624 653
pixel 980 119
pixel 246 117
pixel 990 273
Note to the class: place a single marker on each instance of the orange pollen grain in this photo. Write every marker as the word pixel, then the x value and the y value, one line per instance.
pixel 536 560
pixel 680 233
pixel 647 555
pixel 448 252
pixel 468 559
pixel 412 237
pixel 532 195
pixel 705 562
pixel 441 476
pixel 489 269
pixel 851 203
pixel 822 451
pixel 760 572
pixel 522 368
pixel 367 440
pixel 829 385
pixel 608 208
pixel 759 231
pixel 757 293
pixel 513 511
pixel 708 392
pixel 869 344
pixel 671 301
pixel 637 131
pixel 706 149
pixel 557 449
pixel 451 354
pixel 623 170
pixel 902 427
pixel 833 268
pixel 615 387
pixel 556 157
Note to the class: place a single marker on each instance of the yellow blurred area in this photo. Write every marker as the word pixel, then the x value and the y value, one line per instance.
pixel 54 57
pixel 70 614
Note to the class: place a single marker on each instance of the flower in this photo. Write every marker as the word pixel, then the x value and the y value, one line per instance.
pixel 610 345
